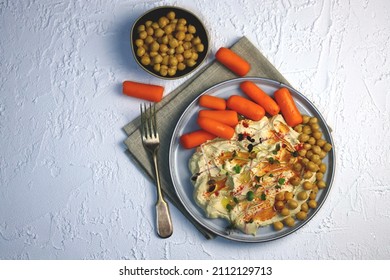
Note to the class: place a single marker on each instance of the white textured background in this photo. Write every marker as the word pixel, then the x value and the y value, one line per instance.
pixel 68 190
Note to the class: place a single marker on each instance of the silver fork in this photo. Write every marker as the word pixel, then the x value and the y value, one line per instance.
pixel 151 142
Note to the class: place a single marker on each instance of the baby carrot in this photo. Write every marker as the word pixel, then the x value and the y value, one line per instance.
pixel 287 105
pixel 233 61
pixel 260 97
pixel 144 91
pixel 215 127
pixel 212 102
pixel 224 116
pixel 193 139
pixel 245 107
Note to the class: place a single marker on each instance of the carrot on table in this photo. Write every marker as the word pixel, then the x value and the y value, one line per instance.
pixel 245 107
pixel 228 117
pixel 215 127
pixel 287 105
pixel 193 139
pixel 148 92
pixel 212 102
pixel 233 61
pixel 260 97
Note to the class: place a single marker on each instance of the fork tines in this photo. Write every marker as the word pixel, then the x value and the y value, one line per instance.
pixel 148 121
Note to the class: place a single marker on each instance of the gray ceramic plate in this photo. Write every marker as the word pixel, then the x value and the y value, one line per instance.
pixel 181 176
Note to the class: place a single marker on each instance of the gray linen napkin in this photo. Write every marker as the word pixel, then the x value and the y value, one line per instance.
pixel 172 106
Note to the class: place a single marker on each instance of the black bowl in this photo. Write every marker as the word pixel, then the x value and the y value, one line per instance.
pixel 154 15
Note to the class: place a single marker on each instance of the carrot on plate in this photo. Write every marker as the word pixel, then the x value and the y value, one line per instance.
pixel 215 127
pixel 287 105
pixel 195 138
pixel 148 92
pixel 212 102
pixel 245 107
pixel 233 61
pixel 228 117
pixel 260 97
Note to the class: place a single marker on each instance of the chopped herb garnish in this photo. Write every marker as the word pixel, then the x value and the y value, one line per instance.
pixel 235 199
pixel 229 207
pixel 237 169
pixel 281 181
pixel 257 178
pixel 277 187
pixel 257 186
pixel 271 160
pixel 271 175
pixel 274 152
pixel 277 148
pixel 263 196
pixel 295 153
pixel 250 196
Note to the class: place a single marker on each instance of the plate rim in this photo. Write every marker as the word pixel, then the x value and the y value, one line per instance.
pixel 238 80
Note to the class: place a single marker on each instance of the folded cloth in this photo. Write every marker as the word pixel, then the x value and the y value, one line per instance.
pixel 173 105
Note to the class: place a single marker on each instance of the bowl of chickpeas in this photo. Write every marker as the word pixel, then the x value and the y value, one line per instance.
pixel 169 42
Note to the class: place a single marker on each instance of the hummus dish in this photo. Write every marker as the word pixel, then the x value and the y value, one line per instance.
pixel 268 173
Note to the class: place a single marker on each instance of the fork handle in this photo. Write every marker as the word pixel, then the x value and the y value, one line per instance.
pixel 163 216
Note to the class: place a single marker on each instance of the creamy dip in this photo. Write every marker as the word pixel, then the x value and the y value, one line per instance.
pixel 238 179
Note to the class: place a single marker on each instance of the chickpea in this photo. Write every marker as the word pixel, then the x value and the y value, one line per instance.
pixel 182 21
pixel 163 48
pixel 309 154
pixel 145 60
pixel 305 161
pixel 327 147
pixel 298 128
pixel 279 205
pixel 322 154
pixel 292 204
pixel 315 158
pixel 180 27
pixel 321 184
pixel 191 62
pixel 200 47
pixel 171 51
pixel 173 61
pixel 163 72
pixel 302 195
pixel 139 42
pixel 150 31
pixel 313 120
pixel 301 215
pixel 143 34
pixel 307 185
pixel 312 166
pixel 156 67
pixel 305 119
pixel 153 53
pixel 315 127
pixel 173 43
pixel 172 71
pixel 278 226
pixel 180 57
pixel 288 196
pixel 140 51
pixel 187 45
pixel 157 59
pixel 149 40
pixel 154 46
pixel 163 21
pixel 307 175
pixel 311 140
pixel 320 143
pixel 295 181
pixel 312 195
pixel 302 152
pixel 165 60
pixel 322 167
pixel 187 54
pixel 279 196
pixel 194 56
pixel 285 212
pixel 312 204
pixel 141 28
pixel 304 207
pixel 181 66
pixel 297 166
pixel 155 25
pixel 307 146
pixel 180 35
pixel 317 135
pixel 306 129
pixel 289 221
pixel 148 23
pixel 303 137
pixel 191 29
pixel 168 29
pixel 171 15
pixel 319 176
pixel 196 40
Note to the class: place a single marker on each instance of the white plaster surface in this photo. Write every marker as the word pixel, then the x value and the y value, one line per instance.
pixel 68 190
